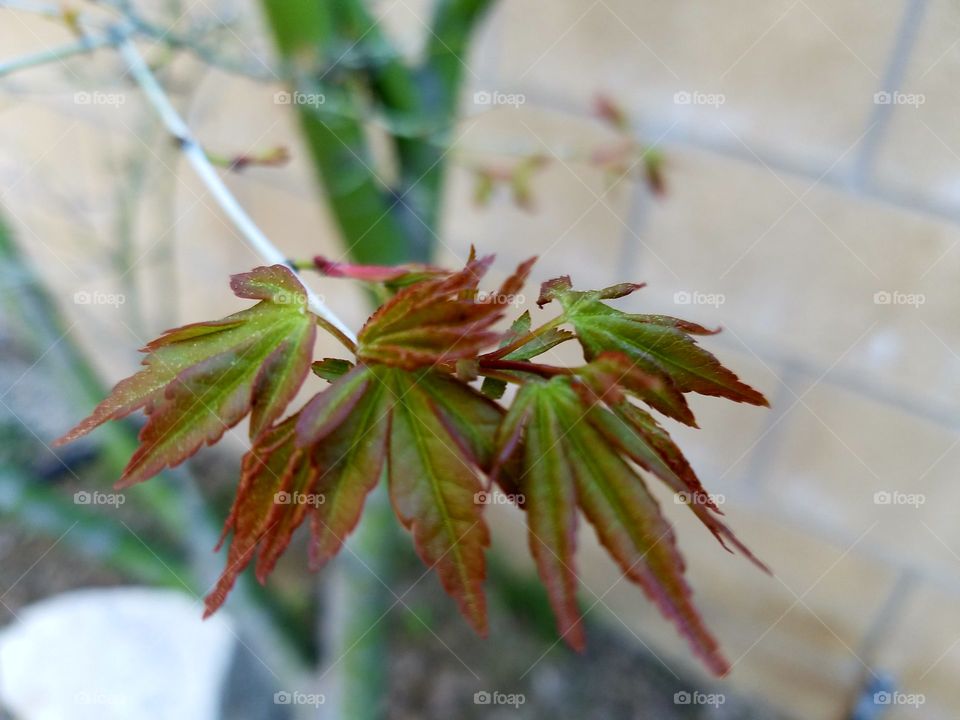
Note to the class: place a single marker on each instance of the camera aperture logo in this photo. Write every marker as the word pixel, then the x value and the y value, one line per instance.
pixel 83 497
pixel 284 697
pixel 486 697
pixel 684 697
pixel 492 98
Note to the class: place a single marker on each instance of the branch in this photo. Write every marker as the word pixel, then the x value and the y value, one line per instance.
pixel 47 9
pixel 207 173
pixel 366 212
pixel 453 26
pixel 58 54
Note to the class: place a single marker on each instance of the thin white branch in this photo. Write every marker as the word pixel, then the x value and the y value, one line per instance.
pixel 47 9
pixel 205 170
pixel 57 54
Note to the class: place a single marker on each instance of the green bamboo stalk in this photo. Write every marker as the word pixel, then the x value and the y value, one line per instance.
pixel 305 35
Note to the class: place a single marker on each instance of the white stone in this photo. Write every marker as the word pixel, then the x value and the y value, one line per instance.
pixel 115 653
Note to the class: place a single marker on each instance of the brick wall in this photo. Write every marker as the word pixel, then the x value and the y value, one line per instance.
pixel 795 197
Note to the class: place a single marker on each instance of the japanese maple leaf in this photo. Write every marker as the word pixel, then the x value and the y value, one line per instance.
pixel 573 441
pixel 434 433
pixel 283 482
pixel 575 456
pixel 202 379
pixel 438 320
pixel 658 345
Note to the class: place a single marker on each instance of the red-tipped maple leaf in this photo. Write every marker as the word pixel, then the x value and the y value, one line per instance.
pixel 440 440
pixel 570 461
pixel 571 441
pixel 202 379
pixel 284 481
pixel 658 345
pixel 438 320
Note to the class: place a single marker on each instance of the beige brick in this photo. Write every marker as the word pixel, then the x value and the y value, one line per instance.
pixel 839 450
pixel 788 70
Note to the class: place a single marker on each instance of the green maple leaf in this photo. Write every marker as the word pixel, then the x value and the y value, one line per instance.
pixel 202 379
pixel 659 346
pixel 327 479
pixel 575 454
pixel 436 435
pixel 435 487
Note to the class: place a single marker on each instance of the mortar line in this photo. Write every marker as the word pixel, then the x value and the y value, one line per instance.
pixel 878 122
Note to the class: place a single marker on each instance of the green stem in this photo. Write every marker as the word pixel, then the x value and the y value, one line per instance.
pixel 525 339
pixel 335 331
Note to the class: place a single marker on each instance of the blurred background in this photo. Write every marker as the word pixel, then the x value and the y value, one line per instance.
pixel 786 170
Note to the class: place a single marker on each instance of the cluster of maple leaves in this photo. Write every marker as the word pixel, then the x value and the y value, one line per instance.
pixel 571 440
